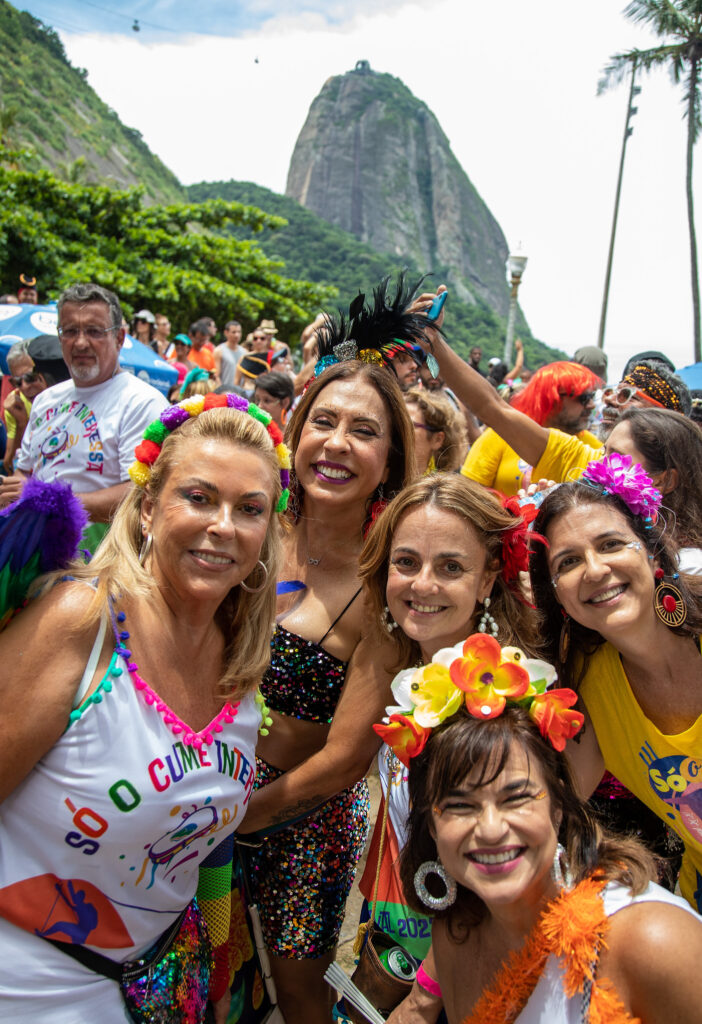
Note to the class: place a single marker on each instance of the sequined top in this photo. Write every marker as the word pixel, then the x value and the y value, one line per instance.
pixel 304 680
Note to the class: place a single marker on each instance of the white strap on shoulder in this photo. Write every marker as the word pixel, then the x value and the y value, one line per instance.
pixel 92 664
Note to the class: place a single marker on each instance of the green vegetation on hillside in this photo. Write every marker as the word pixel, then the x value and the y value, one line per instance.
pixel 318 251
pixel 48 105
pixel 165 257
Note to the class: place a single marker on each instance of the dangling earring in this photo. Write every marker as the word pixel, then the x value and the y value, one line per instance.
pixel 561 878
pixel 388 621
pixel 564 640
pixel 434 867
pixel 668 602
pixel 431 467
pixel 487 622
pixel 145 548
pixel 257 590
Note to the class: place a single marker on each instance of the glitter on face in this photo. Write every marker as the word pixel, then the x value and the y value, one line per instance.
pixel 301 877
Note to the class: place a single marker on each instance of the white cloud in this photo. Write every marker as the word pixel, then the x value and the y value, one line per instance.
pixel 512 84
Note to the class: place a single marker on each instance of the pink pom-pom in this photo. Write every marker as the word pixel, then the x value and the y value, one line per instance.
pixel 139 684
pixel 208 737
pixel 217 728
pixel 176 729
pixel 149 697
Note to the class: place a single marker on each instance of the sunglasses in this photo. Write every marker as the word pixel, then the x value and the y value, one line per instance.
pixel 623 394
pixel 24 378
pixel 584 399
pixel 260 337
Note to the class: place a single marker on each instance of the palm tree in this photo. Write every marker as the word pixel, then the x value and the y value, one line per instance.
pixel 679 22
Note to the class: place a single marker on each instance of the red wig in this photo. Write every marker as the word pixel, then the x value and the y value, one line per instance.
pixel 542 395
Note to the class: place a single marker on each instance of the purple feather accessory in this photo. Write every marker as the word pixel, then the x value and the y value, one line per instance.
pixel 47 518
pixel 620 476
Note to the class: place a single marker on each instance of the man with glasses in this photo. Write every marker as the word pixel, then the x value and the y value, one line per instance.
pixel 27 384
pixel 83 431
pixel 256 362
pixel 559 396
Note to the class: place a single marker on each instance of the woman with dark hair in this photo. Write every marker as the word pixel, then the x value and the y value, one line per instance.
pixel 352 444
pixel 274 392
pixel 538 914
pixel 669 447
pixel 623 626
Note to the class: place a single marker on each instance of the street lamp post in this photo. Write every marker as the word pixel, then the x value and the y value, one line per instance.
pixel 516 264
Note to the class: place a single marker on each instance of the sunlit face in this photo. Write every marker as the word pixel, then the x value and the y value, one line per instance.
pixel 499 840
pixel 437 577
pixel 90 342
pixel 342 454
pixel 25 377
pixel 163 326
pixel 602 575
pixel 260 341
pixel 427 441
pixel 232 334
pixel 210 520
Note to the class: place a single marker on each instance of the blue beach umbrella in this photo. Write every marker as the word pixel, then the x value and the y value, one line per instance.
pixel 20 321
pixel 692 375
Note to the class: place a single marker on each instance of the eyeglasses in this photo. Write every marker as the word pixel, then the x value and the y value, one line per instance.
pixel 70 334
pixel 623 394
pixel 24 378
pixel 260 337
pixel 424 426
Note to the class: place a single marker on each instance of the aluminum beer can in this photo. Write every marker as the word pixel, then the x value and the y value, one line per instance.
pixel 396 961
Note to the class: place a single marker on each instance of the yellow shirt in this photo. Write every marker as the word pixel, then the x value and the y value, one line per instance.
pixel 493 463
pixel 664 772
pixel 10 421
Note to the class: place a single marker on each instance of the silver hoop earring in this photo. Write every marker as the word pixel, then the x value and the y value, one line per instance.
pixel 257 590
pixel 388 621
pixel 435 867
pixel 145 548
pixel 487 623
pixel 560 877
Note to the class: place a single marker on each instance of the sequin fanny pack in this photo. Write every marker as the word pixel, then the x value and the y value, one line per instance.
pixel 169 984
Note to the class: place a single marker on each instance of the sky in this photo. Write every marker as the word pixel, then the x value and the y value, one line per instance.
pixel 220 90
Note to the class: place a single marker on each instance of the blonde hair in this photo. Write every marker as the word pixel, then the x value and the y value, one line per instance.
pixel 440 415
pixel 481 509
pixel 244 618
pixel 197 387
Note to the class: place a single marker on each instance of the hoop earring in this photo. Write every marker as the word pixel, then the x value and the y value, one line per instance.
pixel 564 641
pixel 435 867
pixel 388 622
pixel 145 548
pixel 487 622
pixel 561 878
pixel 668 602
pixel 257 590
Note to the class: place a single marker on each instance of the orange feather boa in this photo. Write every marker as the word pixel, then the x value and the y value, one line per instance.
pixel 572 927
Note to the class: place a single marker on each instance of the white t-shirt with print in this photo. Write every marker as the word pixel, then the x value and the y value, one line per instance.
pixel 86 437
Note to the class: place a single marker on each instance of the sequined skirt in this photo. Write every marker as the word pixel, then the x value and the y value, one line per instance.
pixel 301 876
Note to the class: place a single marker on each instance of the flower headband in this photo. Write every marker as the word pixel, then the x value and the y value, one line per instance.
pixel 515 539
pixel 484 677
pixel 156 433
pixel 620 476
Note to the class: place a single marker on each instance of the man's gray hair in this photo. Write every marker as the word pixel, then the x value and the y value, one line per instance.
pixel 18 351
pixel 82 293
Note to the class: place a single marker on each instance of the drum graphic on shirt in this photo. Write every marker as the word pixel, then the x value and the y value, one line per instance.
pixel 66 909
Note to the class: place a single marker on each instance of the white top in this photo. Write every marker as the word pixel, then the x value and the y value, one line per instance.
pixel 101 845
pixel 86 437
pixel 548 1003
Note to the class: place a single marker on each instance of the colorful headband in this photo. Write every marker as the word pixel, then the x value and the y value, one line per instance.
pixel 620 476
pixel 484 677
pixel 156 433
pixel 652 384
pixel 197 373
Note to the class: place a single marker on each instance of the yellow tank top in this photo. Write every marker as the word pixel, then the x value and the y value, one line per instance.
pixel 664 772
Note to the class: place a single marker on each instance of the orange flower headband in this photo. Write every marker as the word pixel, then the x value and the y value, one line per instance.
pixel 156 433
pixel 484 677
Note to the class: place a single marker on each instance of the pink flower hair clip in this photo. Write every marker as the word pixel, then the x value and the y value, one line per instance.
pixel 620 476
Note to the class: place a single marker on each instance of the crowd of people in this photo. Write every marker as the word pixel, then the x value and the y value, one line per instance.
pixel 359 551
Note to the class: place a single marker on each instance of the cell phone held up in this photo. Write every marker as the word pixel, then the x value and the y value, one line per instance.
pixel 436 306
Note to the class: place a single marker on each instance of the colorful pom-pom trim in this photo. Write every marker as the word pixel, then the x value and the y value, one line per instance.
pixel 148 450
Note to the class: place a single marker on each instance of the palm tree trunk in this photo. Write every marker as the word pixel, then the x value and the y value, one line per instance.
pixel 690 209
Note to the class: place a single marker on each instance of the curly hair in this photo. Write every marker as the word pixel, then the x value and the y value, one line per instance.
pixel 655 540
pixel 440 415
pixel 463 746
pixel 480 508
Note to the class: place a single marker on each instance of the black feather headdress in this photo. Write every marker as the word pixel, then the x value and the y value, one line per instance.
pixel 373 332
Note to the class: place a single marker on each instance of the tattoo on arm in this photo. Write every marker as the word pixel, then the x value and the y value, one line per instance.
pixel 296 810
